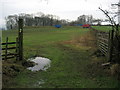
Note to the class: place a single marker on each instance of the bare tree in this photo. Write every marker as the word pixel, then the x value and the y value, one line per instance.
pixel 111 19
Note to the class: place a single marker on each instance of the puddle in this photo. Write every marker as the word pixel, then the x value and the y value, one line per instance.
pixel 41 64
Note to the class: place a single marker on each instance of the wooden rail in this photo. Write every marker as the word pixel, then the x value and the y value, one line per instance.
pixel 105 42
pixel 9 43
pixel 18 45
pixel 8 48
pixel 7 55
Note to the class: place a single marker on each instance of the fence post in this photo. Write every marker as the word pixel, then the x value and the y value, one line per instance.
pixel 17 46
pixel 6 47
pixel 111 34
pixel 117 42
pixel 20 38
pixel 0 49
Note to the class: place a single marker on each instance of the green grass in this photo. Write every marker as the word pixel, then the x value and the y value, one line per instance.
pixel 33 36
pixel 103 28
pixel 69 63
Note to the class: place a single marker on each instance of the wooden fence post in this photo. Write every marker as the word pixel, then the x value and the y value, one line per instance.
pixel 111 34
pixel 17 47
pixel 6 47
pixel 20 38
pixel 0 49
pixel 117 43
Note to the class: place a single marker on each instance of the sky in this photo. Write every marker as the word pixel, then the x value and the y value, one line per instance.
pixel 65 9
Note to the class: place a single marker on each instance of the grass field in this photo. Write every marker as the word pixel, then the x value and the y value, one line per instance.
pixel 103 28
pixel 73 64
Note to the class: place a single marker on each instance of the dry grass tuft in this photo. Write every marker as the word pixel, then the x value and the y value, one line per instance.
pixel 87 39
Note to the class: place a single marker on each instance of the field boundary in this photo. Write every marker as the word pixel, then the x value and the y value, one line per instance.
pixel 5 50
pixel 109 44
pixel 7 46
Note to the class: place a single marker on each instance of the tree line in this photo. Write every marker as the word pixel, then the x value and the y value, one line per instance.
pixel 40 19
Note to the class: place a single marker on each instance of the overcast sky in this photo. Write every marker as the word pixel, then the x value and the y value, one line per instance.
pixel 65 9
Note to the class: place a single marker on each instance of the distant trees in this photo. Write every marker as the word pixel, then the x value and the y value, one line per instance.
pixel 97 21
pixel 38 19
pixel 11 21
pixel 85 19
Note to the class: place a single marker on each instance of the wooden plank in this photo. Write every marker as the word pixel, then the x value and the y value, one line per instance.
pixel 104 39
pixel 105 49
pixel 9 43
pixel 103 35
pixel 102 32
pixel 10 54
pixel 8 58
pixel 103 45
pixel 102 50
pixel 106 64
pixel 106 44
pixel 9 48
pixel 103 42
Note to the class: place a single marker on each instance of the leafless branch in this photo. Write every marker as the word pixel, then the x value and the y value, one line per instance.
pixel 111 20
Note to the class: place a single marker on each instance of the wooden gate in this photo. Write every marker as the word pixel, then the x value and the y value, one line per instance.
pixel 108 44
pixel 14 49
pixel 105 43
pixel 7 46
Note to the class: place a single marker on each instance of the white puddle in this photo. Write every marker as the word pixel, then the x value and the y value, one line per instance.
pixel 41 64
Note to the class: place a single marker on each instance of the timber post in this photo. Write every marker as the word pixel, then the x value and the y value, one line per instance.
pixel 6 47
pixel 110 57
pixel 17 48
pixel 20 38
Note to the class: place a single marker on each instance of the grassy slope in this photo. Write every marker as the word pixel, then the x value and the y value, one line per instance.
pixel 70 63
